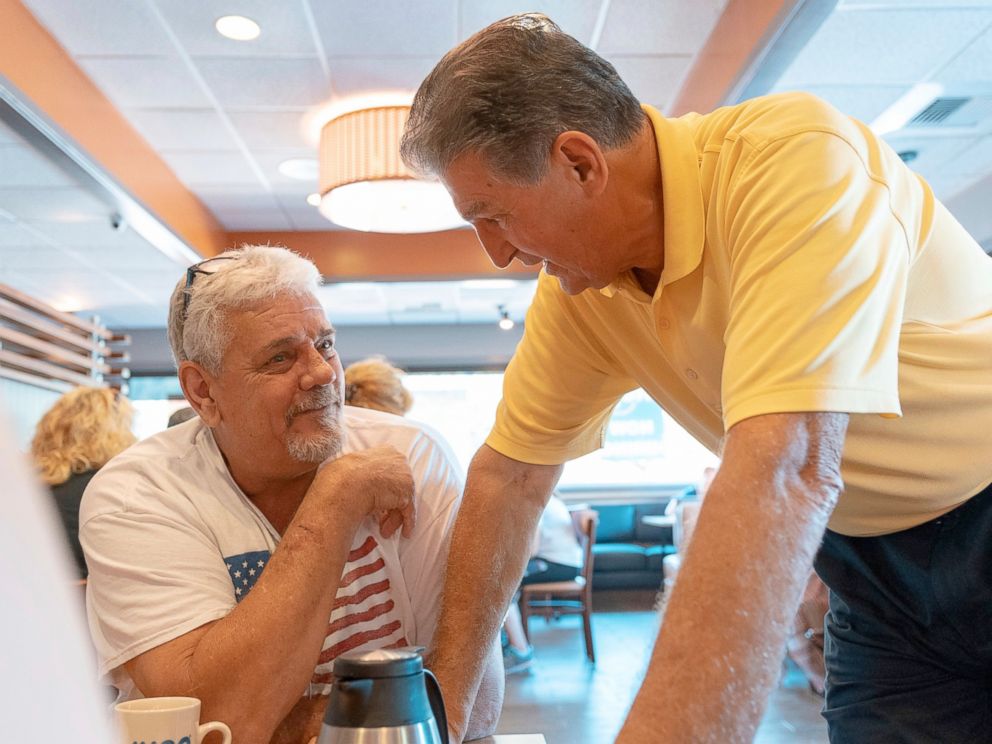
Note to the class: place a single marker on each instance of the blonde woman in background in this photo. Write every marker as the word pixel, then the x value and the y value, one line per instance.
pixel 375 383
pixel 76 437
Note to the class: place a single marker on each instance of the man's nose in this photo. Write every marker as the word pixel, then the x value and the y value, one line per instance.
pixel 318 371
pixel 499 250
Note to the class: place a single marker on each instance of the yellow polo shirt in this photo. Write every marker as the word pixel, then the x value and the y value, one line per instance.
pixel 806 269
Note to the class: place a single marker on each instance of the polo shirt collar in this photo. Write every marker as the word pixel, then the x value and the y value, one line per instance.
pixel 685 218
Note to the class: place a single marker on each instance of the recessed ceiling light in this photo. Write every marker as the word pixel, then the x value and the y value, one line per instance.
pixel 299 169
pixel 313 199
pixel 237 27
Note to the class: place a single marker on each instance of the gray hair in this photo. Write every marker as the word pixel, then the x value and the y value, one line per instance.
pixel 507 92
pixel 199 331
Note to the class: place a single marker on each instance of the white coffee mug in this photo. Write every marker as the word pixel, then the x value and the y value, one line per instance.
pixel 165 720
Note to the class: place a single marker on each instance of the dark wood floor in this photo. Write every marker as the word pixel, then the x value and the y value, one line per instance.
pixel 572 702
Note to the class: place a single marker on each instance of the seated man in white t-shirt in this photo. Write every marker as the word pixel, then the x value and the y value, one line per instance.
pixel 233 557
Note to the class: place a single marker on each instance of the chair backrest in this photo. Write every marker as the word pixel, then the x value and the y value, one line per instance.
pixel 585 521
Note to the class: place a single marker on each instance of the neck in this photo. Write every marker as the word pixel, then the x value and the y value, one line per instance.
pixel 276 494
pixel 641 207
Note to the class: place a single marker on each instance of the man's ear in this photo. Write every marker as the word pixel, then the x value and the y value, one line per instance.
pixel 197 385
pixel 582 159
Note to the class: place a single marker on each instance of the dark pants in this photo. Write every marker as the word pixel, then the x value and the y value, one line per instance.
pixel 539 571
pixel 909 632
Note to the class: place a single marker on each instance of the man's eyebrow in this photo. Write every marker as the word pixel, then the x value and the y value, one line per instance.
pixel 290 340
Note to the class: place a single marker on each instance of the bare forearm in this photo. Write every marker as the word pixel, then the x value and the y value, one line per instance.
pixel 489 699
pixel 251 667
pixel 490 546
pixel 721 642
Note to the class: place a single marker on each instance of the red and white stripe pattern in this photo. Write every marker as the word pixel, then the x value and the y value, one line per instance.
pixel 364 615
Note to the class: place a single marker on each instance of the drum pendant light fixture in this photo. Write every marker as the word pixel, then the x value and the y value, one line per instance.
pixel 364 184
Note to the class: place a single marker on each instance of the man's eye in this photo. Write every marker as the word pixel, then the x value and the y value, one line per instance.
pixel 278 359
pixel 326 345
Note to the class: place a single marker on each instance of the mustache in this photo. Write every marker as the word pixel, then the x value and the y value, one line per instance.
pixel 318 398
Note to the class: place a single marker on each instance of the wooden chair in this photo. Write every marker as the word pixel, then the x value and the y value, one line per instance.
pixel 556 598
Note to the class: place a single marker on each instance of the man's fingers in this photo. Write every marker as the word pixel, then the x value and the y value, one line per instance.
pixel 390 522
pixel 409 518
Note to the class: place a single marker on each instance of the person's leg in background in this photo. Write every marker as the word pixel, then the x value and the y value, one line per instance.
pixel 909 632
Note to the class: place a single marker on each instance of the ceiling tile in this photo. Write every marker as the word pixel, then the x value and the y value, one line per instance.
pixel 60 205
pixel 932 153
pixel 269 161
pixel 284 28
pixel 202 168
pixel 104 27
pixel 145 82
pixel 265 82
pixel 179 129
pixel 973 65
pixel 576 19
pixel 9 136
pixel 382 28
pixel 117 259
pixel 37 257
pixel 973 160
pixel 238 220
pixel 310 218
pixel 22 165
pixel 906 46
pixel 653 80
pixel 266 129
pixel 653 26
pixel 864 103
pixel 226 199
pixel 356 75
pixel 15 234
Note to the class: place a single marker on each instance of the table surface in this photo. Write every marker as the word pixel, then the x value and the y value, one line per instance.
pixel 514 739
pixel 659 520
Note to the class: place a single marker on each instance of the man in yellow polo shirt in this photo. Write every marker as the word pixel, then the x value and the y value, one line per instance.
pixel 778 281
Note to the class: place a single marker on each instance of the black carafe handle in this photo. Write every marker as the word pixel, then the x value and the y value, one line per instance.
pixel 437 704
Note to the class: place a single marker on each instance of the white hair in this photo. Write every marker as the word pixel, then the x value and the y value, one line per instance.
pixel 199 329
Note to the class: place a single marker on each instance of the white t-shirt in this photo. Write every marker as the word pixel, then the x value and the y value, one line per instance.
pixel 556 535
pixel 172 543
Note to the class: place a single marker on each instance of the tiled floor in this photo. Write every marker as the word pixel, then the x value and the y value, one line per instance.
pixel 572 702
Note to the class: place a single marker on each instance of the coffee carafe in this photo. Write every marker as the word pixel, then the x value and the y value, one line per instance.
pixel 384 697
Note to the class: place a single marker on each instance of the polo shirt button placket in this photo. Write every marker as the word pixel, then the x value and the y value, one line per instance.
pixel 664 324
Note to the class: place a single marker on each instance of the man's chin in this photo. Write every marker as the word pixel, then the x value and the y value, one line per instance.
pixel 317 447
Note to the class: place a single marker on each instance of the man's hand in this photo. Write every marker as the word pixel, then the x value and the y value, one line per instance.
pixel 375 481
pixel 490 546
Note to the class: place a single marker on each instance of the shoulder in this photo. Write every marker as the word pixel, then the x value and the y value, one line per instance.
pixel 767 119
pixel 365 428
pixel 137 478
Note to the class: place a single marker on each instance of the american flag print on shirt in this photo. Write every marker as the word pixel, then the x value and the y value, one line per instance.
pixel 244 569
pixel 364 615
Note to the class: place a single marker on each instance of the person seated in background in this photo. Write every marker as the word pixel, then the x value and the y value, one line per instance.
pixel 377 384
pixel 181 416
pixel 556 556
pixel 76 437
pixel 233 558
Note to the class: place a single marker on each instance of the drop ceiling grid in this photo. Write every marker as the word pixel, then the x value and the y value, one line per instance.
pixel 867 55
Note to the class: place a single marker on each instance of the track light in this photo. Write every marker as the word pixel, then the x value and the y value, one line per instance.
pixel 505 321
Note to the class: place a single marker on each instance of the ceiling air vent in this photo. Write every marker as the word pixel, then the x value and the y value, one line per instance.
pixel 934 114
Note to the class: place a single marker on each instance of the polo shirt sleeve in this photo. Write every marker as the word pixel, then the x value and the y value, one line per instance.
pixel 560 387
pixel 819 263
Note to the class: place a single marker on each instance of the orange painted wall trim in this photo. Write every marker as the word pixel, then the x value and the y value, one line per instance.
pixel 743 30
pixel 41 69
pixel 343 255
